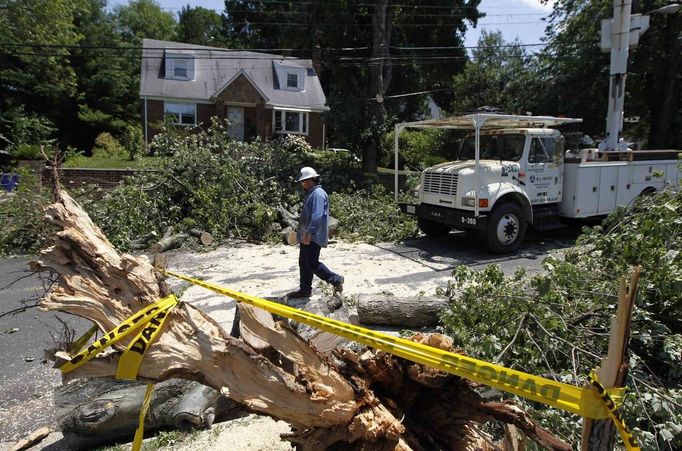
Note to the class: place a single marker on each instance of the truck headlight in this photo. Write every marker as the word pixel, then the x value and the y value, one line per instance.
pixel 471 201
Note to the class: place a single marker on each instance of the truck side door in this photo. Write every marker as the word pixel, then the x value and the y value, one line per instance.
pixel 544 170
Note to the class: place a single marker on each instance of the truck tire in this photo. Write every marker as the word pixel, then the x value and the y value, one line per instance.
pixel 432 229
pixel 506 229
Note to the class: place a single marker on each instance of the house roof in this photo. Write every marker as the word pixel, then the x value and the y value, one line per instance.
pixel 215 68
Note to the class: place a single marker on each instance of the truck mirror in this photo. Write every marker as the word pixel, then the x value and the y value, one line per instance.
pixel 559 150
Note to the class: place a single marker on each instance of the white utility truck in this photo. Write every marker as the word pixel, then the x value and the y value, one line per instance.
pixel 514 171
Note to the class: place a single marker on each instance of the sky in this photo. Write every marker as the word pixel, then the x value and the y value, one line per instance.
pixel 515 18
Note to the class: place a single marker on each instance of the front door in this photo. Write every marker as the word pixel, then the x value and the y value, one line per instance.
pixel 544 170
pixel 236 117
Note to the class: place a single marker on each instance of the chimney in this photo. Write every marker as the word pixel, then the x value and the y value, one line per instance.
pixel 317 60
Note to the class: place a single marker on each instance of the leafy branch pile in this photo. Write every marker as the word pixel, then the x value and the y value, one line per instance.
pixel 230 189
pixel 557 323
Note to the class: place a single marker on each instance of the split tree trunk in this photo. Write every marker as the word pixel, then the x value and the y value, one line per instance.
pixel 326 403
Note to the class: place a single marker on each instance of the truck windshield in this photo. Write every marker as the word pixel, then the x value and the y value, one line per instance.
pixel 494 147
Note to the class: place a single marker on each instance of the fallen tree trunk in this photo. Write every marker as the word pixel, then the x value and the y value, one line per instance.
pixel 326 402
pixel 390 310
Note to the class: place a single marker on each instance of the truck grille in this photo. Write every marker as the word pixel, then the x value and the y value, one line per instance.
pixel 440 183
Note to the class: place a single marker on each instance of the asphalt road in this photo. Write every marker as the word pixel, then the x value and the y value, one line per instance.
pixel 26 401
pixel 28 377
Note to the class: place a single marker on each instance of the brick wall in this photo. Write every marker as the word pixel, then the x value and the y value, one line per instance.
pixel 77 177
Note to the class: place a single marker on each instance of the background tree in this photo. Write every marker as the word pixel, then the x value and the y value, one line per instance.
pixel 368 50
pixel 36 78
pixel 107 71
pixel 575 72
pixel 141 19
pixel 499 75
pixel 201 26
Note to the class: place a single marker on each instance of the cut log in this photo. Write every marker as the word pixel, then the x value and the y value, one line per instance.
pixel 96 411
pixel 287 218
pixel 356 401
pixel 289 236
pixel 205 238
pixel 143 241
pixel 388 309
pixel 168 243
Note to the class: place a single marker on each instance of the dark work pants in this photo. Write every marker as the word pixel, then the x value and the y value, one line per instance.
pixel 309 264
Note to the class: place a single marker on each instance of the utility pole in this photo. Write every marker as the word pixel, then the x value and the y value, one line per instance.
pixel 618 35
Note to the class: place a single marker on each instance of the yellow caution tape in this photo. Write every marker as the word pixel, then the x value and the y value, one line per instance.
pixel 124 329
pixel 152 317
pixel 130 361
pixel 581 401
pixel 625 434
pixel 139 433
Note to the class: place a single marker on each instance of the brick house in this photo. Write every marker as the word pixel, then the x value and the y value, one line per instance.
pixel 261 94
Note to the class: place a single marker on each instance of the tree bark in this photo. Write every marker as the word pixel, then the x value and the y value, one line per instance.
pixel 397 311
pixel 379 81
pixel 168 243
pixel 355 401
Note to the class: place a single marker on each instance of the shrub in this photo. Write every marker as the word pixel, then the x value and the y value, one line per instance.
pixel 24 229
pixel 27 152
pixel 419 149
pixel 106 146
pixel 132 140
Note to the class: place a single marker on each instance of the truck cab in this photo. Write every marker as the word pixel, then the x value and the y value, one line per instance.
pixel 520 170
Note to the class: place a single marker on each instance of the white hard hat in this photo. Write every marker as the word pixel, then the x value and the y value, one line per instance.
pixel 307 173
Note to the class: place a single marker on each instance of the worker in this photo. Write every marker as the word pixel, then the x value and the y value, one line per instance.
pixel 313 236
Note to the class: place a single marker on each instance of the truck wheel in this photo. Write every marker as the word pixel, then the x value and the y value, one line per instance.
pixel 506 229
pixel 432 229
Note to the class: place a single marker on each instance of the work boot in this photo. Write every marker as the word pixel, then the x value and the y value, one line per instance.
pixel 338 285
pixel 299 294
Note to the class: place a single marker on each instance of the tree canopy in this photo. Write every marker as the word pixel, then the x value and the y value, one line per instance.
pixel 69 69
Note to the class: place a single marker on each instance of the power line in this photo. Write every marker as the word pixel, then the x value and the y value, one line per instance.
pixel 225 50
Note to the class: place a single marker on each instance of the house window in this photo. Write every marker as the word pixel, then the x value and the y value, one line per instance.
pixel 294 122
pixel 292 80
pixel 179 67
pixel 181 113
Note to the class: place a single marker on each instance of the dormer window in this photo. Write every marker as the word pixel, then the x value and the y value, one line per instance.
pixel 179 66
pixel 290 76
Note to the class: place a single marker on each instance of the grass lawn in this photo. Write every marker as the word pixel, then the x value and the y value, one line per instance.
pixel 113 163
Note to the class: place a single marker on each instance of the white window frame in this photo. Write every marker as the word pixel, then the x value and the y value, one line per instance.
pixel 303 122
pixel 168 105
pixel 295 77
pixel 174 61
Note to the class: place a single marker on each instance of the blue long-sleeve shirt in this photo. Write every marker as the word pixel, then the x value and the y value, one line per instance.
pixel 315 217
